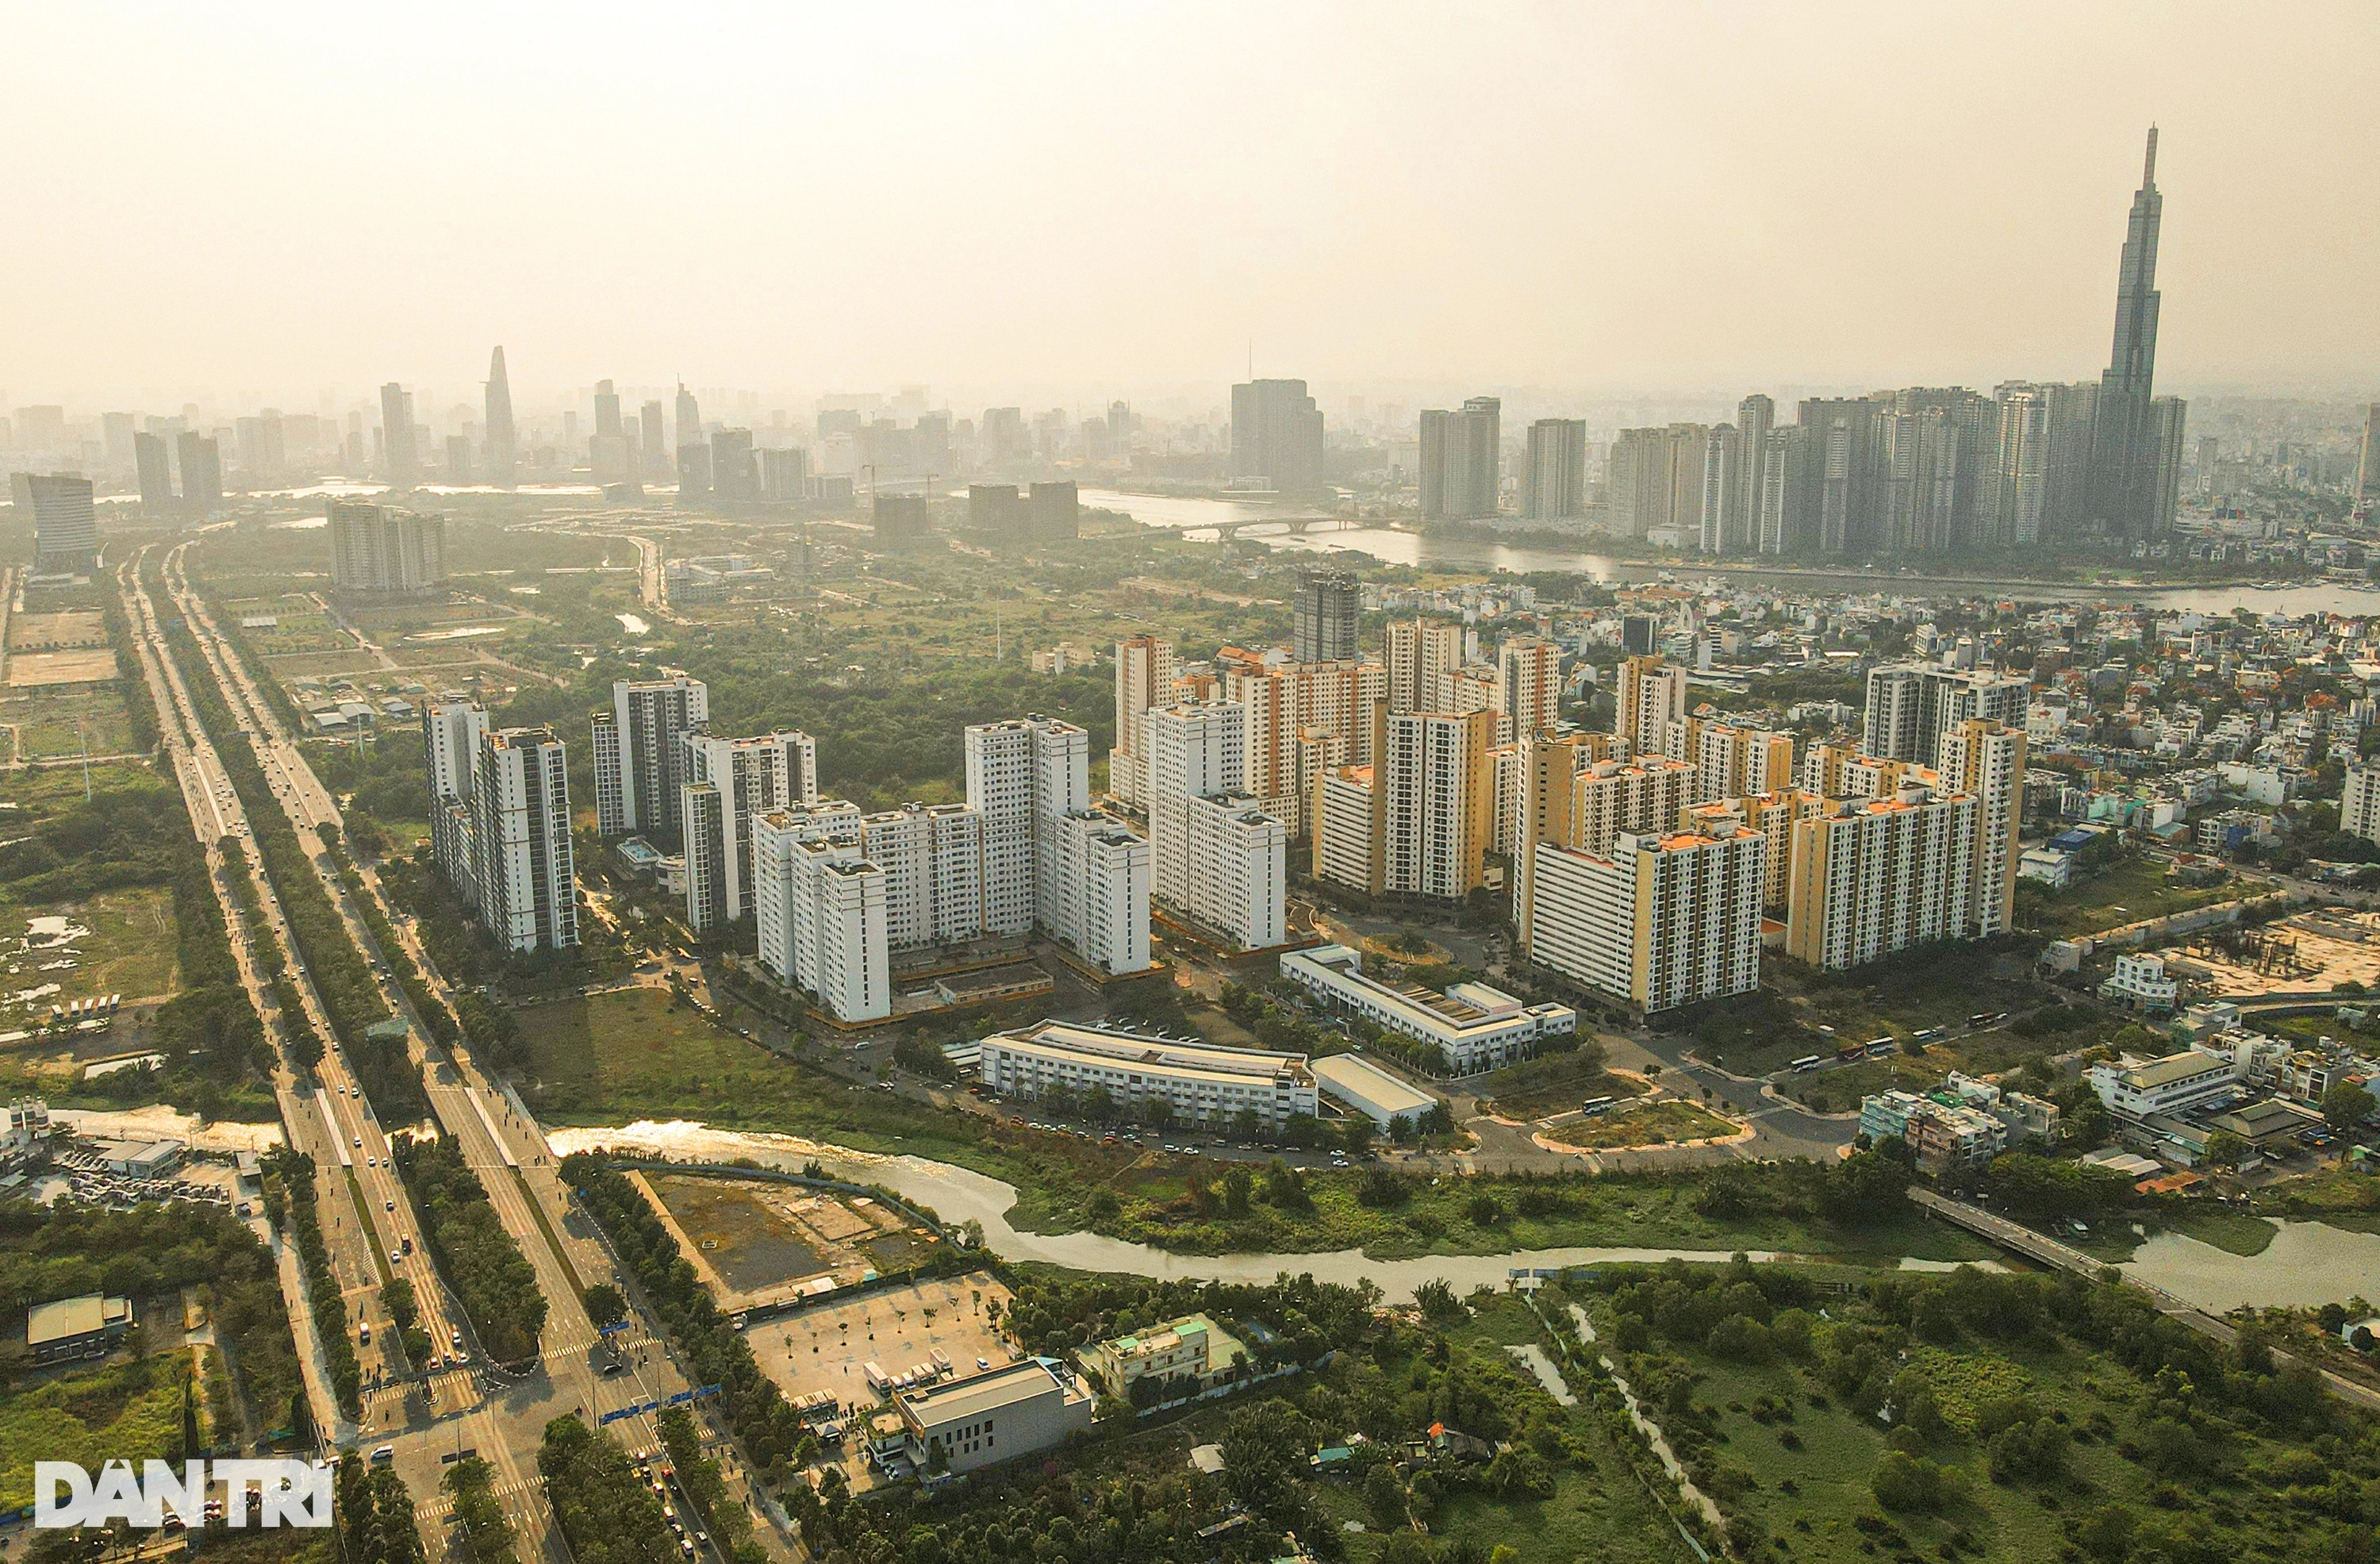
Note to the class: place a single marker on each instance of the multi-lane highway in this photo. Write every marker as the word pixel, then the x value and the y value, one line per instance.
pixel 502 1413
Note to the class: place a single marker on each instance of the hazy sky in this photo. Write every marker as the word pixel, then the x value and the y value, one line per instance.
pixel 1117 198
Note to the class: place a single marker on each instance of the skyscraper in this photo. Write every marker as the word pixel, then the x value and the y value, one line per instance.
pixel 397 434
pixel 201 471
pixel 2125 445
pixel 1554 488
pixel 502 456
pixel 651 440
pixel 728 784
pixel 1324 616
pixel 689 418
pixel 65 522
pixel 1722 529
pixel 150 459
pixel 2367 466
pixel 1144 678
pixel 1277 436
pixel 1460 459
pixel 1755 417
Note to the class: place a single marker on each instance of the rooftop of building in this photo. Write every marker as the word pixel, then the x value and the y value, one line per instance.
pixel 1354 1074
pixel 2184 1065
pixel 70 1317
pixel 1175 1054
pixel 982 1395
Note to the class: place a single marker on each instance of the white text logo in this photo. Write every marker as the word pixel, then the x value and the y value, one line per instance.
pixel 294 1492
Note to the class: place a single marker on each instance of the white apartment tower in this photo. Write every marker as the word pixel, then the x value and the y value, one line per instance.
pixel 526 878
pixel 932 859
pixel 729 783
pixel 2358 804
pixel 1216 856
pixel 639 763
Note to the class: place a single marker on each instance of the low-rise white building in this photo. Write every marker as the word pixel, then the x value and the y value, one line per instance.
pixel 1202 1085
pixel 991 1417
pixel 1358 1083
pixel 1477 1027
pixel 2047 866
pixel 2139 982
pixel 2184 1082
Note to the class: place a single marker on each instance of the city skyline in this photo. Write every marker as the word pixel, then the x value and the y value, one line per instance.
pixel 1654 230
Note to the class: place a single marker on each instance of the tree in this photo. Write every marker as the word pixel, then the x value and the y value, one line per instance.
pixel 2224 1149
pixel 1239 1185
pixel 1438 1302
pixel 2105 1535
pixel 1913 1485
pixel 605 1307
pixel 1264 1455
pixel 2347 1105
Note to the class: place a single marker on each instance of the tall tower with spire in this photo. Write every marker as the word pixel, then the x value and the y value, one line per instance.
pixel 501 454
pixel 2130 437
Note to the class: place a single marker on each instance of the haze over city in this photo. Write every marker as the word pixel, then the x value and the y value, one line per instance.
pixel 1079 202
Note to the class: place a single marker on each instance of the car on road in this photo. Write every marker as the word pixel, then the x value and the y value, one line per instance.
pixel 359 1142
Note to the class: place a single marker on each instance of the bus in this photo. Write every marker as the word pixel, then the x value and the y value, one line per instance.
pixel 1806 1062
pixel 1596 1104
pixel 1981 1018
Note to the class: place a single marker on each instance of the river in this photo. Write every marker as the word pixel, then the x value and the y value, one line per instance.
pixel 1396 546
pixel 2307 1263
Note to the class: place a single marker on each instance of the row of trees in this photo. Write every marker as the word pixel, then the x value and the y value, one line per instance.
pixel 606 1512
pixel 494 1281
pixel 350 997
pixel 289 1200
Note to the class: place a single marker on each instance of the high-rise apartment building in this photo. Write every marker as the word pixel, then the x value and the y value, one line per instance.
pixel 1216 858
pixel 2367 462
pixel 154 466
pixel 525 876
pixel 1098 907
pixel 1873 875
pixel 1985 760
pixel 820 910
pixel 1665 919
pixel 383 550
pixel 689 419
pixel 733 474
pixel 1610 799
pixel 1302 719
pixel 1461 461
pixel 201 462
pixel 932 859
pixel 1529 675
pixel 452 732
pixel 727 784
pixel 1648 695
pixel 1423 656
pixel 652 440
pixel 1911 705
pixel 1277 436
pixel 1654 481
pixel 2359 803
pixel 1026 776
pixel 1755 419
pixel 1723 524
pixel 1553 487
pixel 1730 761
pixel 1144 678
pixel 65 520
pixel 1437 806
pixel 1325 616
pixel 398 438
pixel 497 427
pixel 2020 474
pixel 639 761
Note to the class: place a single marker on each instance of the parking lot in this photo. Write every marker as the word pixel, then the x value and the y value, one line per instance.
pixel 828 1349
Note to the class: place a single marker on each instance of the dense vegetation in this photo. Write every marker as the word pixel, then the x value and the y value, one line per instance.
pixel 289 1200
pixel 1979 1402
pixel 426 1005
pixel 486 1530
pixel 479 1259
pixel 375 1516
pixel 68 1250
pixel 606 1512
pixel 729 1524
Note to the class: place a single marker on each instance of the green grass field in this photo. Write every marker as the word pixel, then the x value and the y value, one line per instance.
pixel 1646 1124
pixel 1551 1083
pixel 131 1411
pixel 46 724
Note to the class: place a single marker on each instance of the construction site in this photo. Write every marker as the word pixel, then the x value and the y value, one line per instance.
pixel 2310 952
pixel 761 1245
